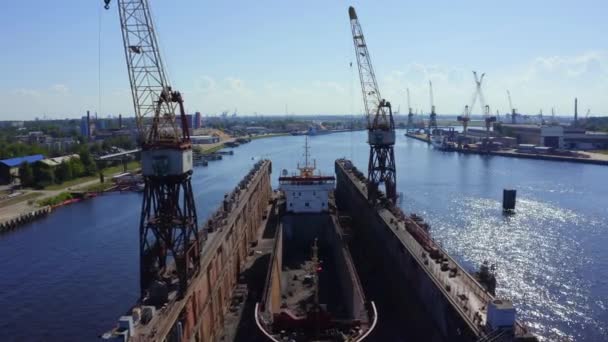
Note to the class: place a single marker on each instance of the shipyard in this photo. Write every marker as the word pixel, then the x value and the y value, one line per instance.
pixel 363 178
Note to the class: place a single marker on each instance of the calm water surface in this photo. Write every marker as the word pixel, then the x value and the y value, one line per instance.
pixel 69 276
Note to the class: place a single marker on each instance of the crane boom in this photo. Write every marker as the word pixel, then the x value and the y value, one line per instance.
pixel 478 92
pixel 168 229
pixel 380 124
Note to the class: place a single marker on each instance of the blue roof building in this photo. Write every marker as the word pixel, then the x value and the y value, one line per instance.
pixel 14 162
pixel 9 168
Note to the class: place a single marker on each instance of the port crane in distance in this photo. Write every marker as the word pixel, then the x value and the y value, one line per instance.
pixel 168 229
pixel 433 115
pixel 513 110
pixel 380 123
pixel 410 114
pixel 464 120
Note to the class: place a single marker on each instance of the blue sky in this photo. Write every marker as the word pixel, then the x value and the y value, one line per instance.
pixel 258 56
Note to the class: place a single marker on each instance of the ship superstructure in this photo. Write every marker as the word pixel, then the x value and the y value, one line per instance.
pixel 306 192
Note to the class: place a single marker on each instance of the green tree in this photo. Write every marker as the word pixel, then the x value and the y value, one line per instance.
pixel 63 172
pixel 43 175
pixel 77 168
pixel 26 174
pixel 90 167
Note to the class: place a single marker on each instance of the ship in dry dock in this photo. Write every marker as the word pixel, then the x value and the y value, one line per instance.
pixel 312 290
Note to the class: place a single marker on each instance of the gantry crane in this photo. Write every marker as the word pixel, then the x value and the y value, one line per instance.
pixel 168 229
pixel 410 114
pixel 380 124
pixel 433 115
pixel 488 120
pixel 464 119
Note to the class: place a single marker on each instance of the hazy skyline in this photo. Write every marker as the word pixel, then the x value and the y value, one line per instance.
pixel 260 57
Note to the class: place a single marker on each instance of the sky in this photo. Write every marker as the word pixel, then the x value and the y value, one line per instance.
pixel 60 58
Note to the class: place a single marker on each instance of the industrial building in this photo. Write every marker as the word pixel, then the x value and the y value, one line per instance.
pixel 204 139
pixel 563 137
pixel 9 168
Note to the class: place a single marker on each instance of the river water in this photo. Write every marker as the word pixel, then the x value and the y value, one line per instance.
pixel 69 276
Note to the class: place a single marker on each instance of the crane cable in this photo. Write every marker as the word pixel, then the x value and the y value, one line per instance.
pixel 352 109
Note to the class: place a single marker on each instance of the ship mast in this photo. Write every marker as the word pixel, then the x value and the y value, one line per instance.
pixel 307 170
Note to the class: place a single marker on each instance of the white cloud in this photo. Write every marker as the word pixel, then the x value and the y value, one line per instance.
pixel 543 82
pixel 60 89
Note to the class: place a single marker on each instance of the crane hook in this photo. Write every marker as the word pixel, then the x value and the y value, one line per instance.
pixel 107 6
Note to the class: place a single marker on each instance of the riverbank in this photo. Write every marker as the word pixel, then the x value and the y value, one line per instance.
pixel 27 206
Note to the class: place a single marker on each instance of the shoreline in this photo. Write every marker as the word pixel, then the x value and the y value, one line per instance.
pixel 513 154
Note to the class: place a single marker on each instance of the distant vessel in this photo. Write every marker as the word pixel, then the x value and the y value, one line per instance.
pixel 312 292
pixel 314 130
pixel 440 141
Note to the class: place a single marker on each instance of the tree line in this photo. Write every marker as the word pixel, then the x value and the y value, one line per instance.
pixel 39 175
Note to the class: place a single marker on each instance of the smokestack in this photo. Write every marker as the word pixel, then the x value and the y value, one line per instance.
pixel 88 125
pixel 119 121
pixel 575 111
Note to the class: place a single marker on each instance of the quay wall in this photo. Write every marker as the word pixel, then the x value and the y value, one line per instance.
pixel 223 260
pixel 15 222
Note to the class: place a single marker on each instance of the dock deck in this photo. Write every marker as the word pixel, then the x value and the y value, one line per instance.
pixel 464 293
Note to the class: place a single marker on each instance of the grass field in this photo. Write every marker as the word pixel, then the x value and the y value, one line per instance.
pixel 133 165
pixel 271 135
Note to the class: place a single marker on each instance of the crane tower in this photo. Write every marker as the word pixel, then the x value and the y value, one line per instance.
pixel 380 124
pixel 433 115
pixel 410 114
pixel 168 229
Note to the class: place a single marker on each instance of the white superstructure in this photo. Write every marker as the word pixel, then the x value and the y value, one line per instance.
pixel 306 192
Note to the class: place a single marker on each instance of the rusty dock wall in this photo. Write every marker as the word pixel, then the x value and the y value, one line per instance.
pixel 228 237
pixel 454 302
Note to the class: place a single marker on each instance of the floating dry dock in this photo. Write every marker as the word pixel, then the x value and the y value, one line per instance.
pixel 406 263
pixel 409 262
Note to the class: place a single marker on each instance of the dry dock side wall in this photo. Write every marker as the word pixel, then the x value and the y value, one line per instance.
pixel 223 261
pixel 397 269
pixel 228 237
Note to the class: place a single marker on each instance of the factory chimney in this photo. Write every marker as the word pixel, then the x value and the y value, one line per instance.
pixel 119 121
pixel 88 126
pixel 575 112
